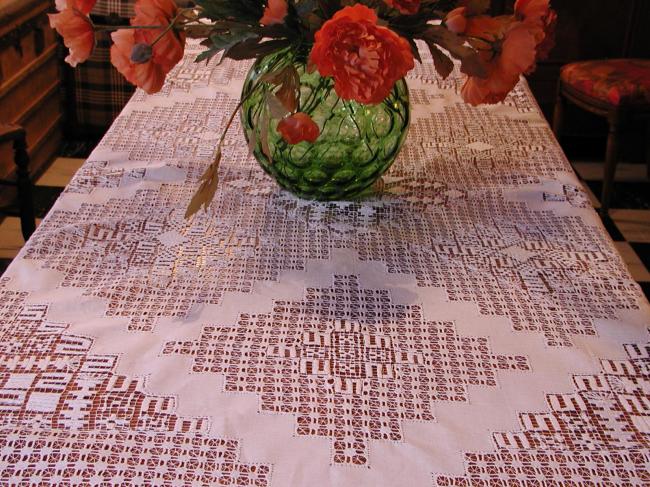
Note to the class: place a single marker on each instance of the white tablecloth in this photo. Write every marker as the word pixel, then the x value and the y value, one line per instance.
pixel 472 324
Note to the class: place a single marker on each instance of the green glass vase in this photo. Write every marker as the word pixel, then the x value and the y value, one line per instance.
pixel 356 145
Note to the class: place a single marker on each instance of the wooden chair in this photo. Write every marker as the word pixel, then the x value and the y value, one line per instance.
pixel 618 89
pixel 17 135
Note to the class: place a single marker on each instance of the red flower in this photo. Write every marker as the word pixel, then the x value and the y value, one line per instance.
pixel 76 29
pixel 166 52
pixel 275 12
pixel 407 7
pixel 548 43
pixel 511 53
pixel 364 58
pixel 456 20
pixel 541 20
pixel 84 6
pixel 531 11
pixel 298 127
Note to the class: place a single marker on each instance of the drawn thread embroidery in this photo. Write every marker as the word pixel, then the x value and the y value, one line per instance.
pixel 66 417
pixel 598 435
pixel 348 363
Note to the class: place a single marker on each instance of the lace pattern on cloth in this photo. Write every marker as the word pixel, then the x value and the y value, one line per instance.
pixel 471 323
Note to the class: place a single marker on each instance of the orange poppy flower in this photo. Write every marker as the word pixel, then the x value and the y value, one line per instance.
pixel 531 11
pixel 84 6
pixel 541 20
pixel 297 128
pixel 76 29
pixel 456 20
pixel 364 58
pixel 510 52
pixel 275 12
pixel 548 43
pixel 166 52
pixel 407 7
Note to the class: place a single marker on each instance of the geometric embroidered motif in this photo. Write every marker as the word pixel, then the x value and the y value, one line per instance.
pixel 148 262
pixel 348 363
pixel 97 174
pixel 447 216
pixel 480 205
pixel 67 418
pixel 346 356
pixel 599 435
pixel 548 274
pixel 573 195
pixel 58 457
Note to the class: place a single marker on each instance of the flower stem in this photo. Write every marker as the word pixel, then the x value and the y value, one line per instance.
pixel 231 119
pixel 120 27
pixel 172 24
pixel 181 14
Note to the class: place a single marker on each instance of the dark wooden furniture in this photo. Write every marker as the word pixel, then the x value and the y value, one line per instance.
pixel 17 137
pixel 605 30
pixel 618 90
pixel 594 29
pixel 30 82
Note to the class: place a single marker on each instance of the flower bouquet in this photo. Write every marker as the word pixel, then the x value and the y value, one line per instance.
pixel 325 106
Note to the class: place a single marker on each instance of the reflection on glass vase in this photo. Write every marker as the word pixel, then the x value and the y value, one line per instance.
pixel 356 145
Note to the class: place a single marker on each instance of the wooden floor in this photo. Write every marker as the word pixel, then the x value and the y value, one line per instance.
pixel 628 224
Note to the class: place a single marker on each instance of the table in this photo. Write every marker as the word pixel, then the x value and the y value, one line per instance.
pixel 472 324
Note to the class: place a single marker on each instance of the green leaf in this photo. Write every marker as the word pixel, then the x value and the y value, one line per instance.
pixel 444 66
pixel 224 38
pixel 276 31
pixel 329 7
pixel 414 49
pixel 255 48
pixel 276 108
pixel 471 63
pixel 314 22
pixel 289 92
pixel 207 189
pixel 199 31
pixel 252 142
pixel 288 80
pixel 444 5
pixel 305 7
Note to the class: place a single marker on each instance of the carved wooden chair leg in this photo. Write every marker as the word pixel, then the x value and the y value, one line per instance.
pixel 611 160
pixel 17 135
pixel 24 183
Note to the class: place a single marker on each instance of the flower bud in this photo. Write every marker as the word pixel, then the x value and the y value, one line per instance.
pixel 297 128
pixel 456 20
pixel 141 53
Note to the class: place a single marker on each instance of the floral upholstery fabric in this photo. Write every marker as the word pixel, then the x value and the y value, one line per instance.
pixel 615 81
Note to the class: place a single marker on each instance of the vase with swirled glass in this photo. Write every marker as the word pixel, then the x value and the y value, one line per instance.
pixel 356 145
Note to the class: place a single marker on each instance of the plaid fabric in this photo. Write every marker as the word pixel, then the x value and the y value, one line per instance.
pixel 121 8
pixel 98 90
